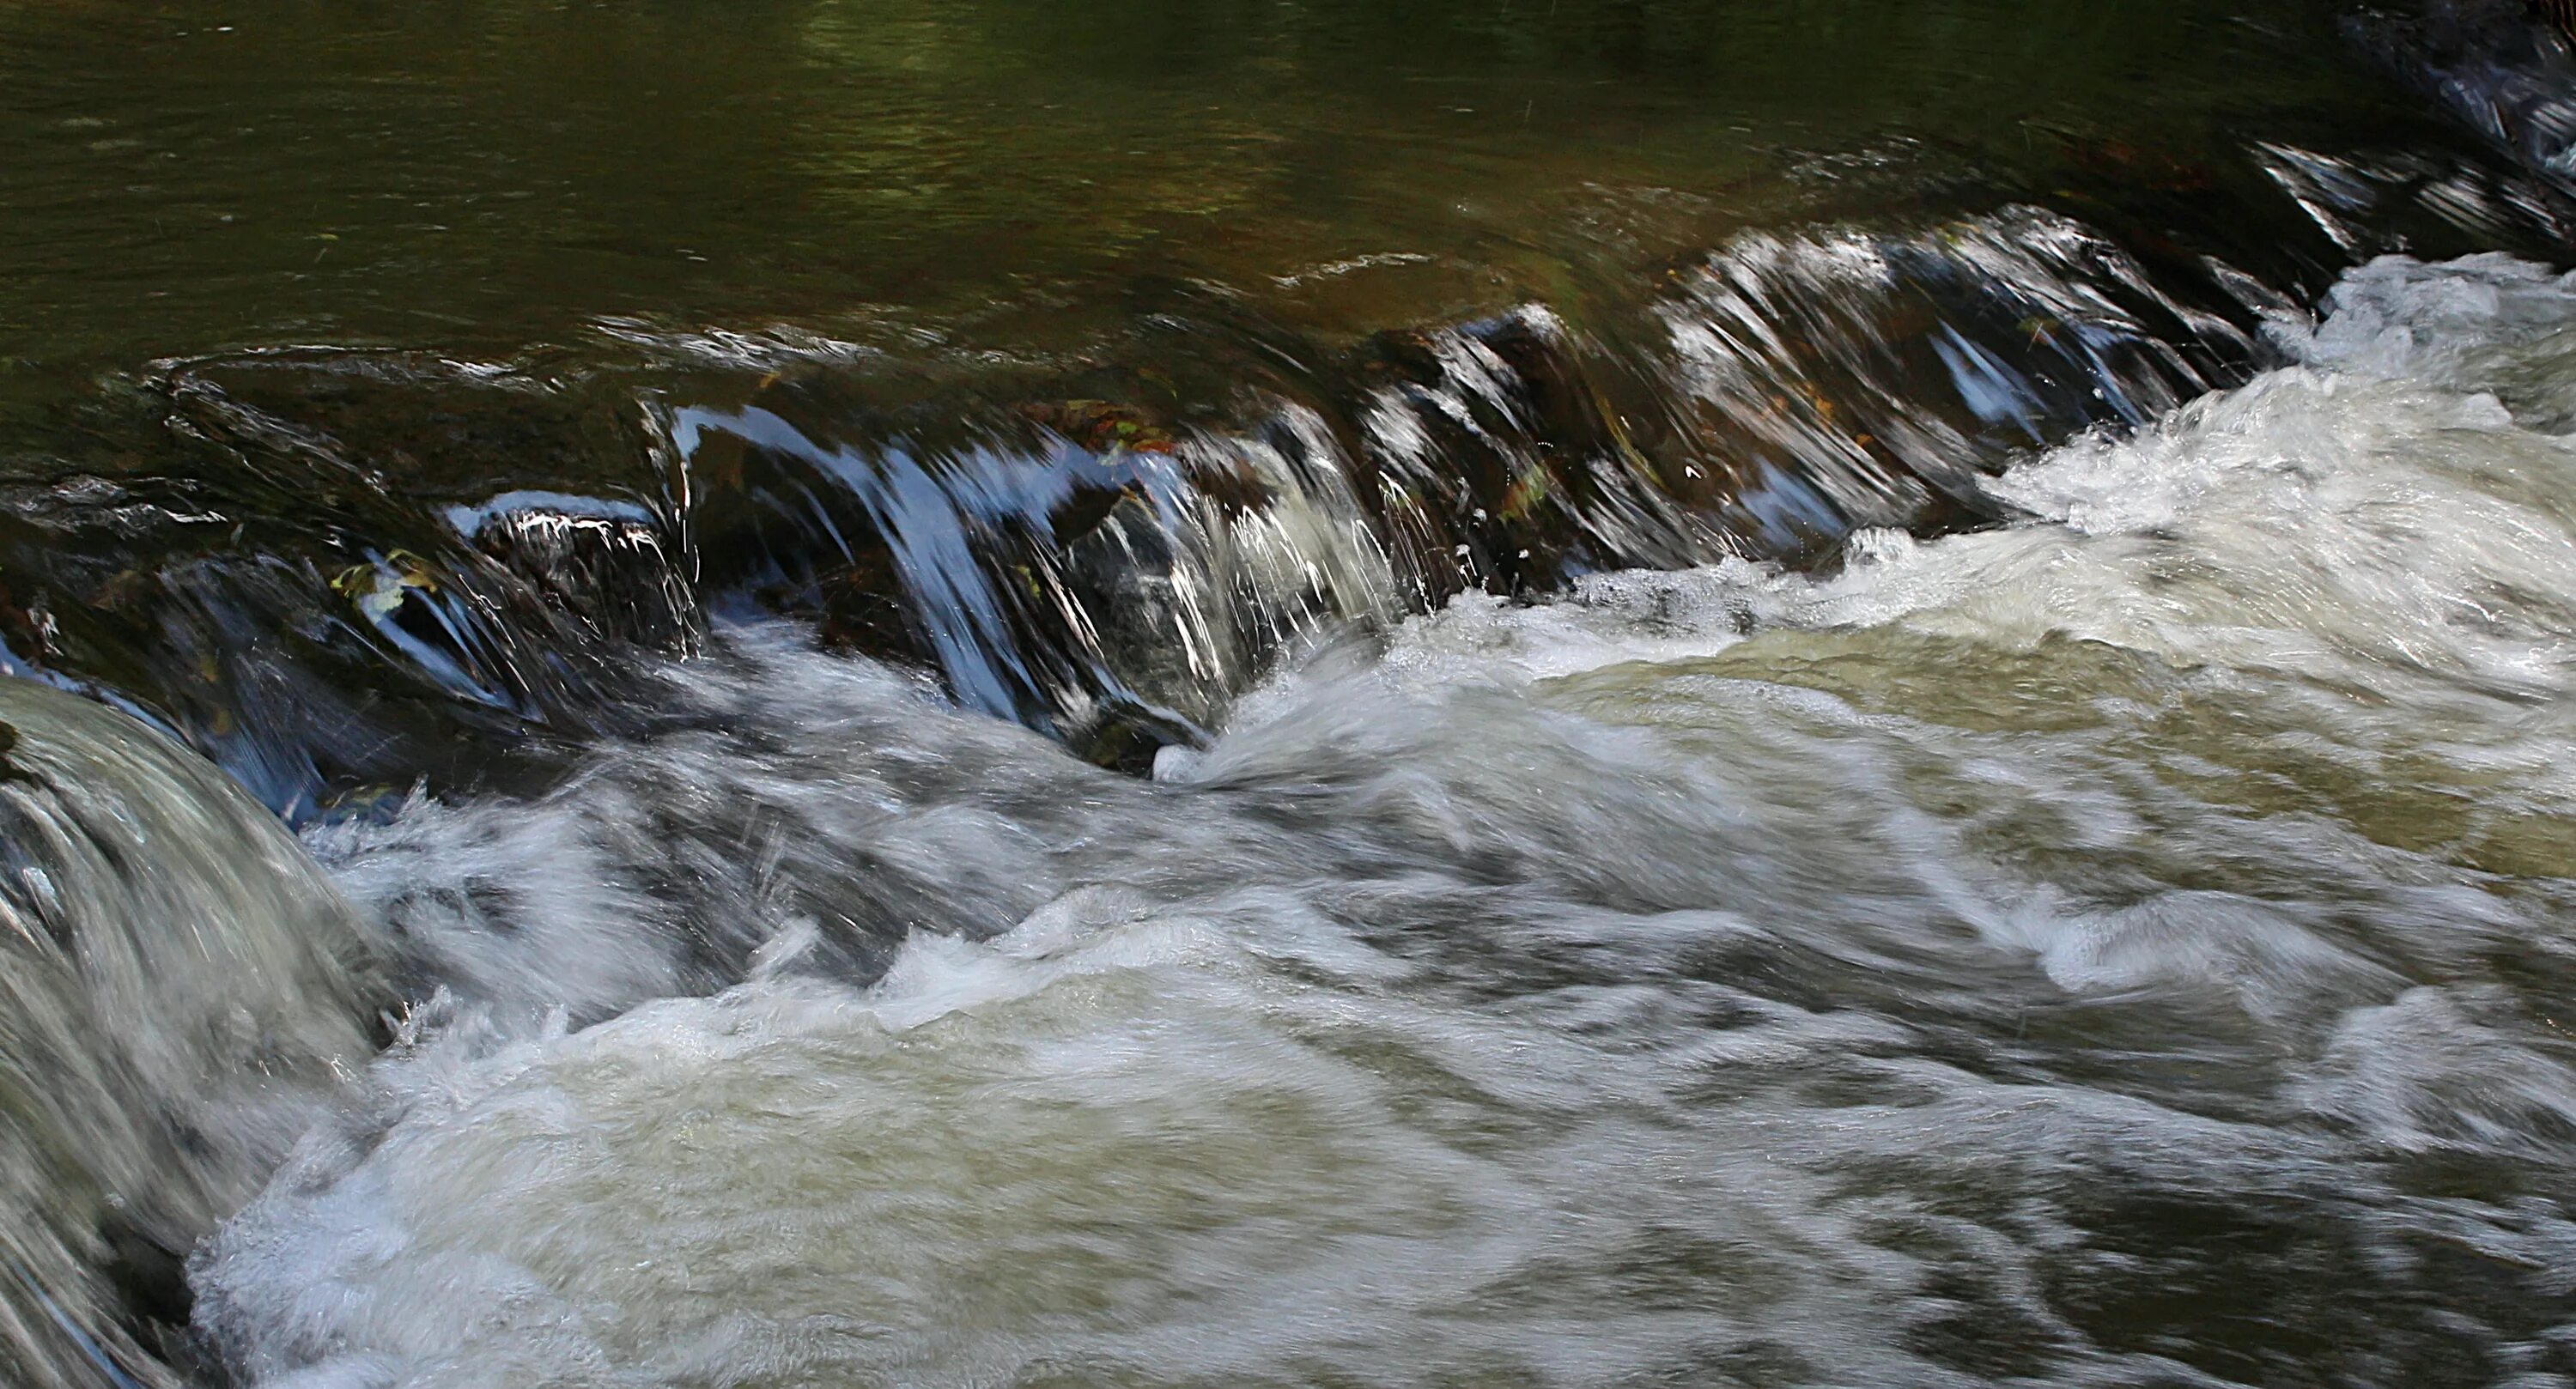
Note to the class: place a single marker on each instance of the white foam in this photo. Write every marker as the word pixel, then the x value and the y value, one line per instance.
pixel 1735 968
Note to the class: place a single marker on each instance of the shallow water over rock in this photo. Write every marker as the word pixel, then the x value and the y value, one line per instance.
pixel 1577 694
pixel 2122 946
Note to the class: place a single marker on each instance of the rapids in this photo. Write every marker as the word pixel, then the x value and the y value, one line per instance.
pixel 2127 945
pixel 811 693
pixel 182 994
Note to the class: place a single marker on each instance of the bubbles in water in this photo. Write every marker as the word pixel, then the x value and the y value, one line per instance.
pixel 181 994
pixel 2121 946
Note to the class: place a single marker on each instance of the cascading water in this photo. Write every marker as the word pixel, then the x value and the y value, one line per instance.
pixel 1924 749
pixel 1981 961
pixel 182 993
pixel 1104 572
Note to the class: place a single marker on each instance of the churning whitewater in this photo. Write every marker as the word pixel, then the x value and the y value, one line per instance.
pixel 2122 946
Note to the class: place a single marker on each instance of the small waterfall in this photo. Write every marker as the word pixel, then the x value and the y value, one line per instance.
pixel 181 992
pixel 1107 549
pixel 2127 945
pixel 1948 769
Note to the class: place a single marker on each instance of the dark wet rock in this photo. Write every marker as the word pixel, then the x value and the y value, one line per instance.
pixel 1106 550
pixel 1139 589
pixel 1110 562
pixel 862 607
pixel 1503 470
pixel 2505 69
pixel 338 571
pixel 411 423
pixel 615 567
pixel 1102 426
pixel 283 589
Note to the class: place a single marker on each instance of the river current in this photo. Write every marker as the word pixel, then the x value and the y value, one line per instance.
pixel 1702 736
pixel 2126 945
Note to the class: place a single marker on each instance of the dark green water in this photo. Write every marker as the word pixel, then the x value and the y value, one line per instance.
pixel 481 177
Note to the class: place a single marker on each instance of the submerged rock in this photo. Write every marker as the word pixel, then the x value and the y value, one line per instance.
pixel 181 992
pixel 2494 69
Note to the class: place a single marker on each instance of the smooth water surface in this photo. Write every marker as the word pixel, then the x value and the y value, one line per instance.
pixel 480 176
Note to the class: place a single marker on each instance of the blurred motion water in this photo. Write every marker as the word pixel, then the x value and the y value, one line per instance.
pixel 182 994
pixel 2123 946
pixel 1591 693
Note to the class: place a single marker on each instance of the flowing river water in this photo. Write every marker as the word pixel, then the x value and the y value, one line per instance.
pixel 1593 693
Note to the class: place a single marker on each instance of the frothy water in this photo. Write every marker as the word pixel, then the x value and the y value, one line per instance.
pixel 182 993
pixel 2125 946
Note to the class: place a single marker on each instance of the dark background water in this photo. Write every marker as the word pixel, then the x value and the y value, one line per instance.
pixel 181 179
